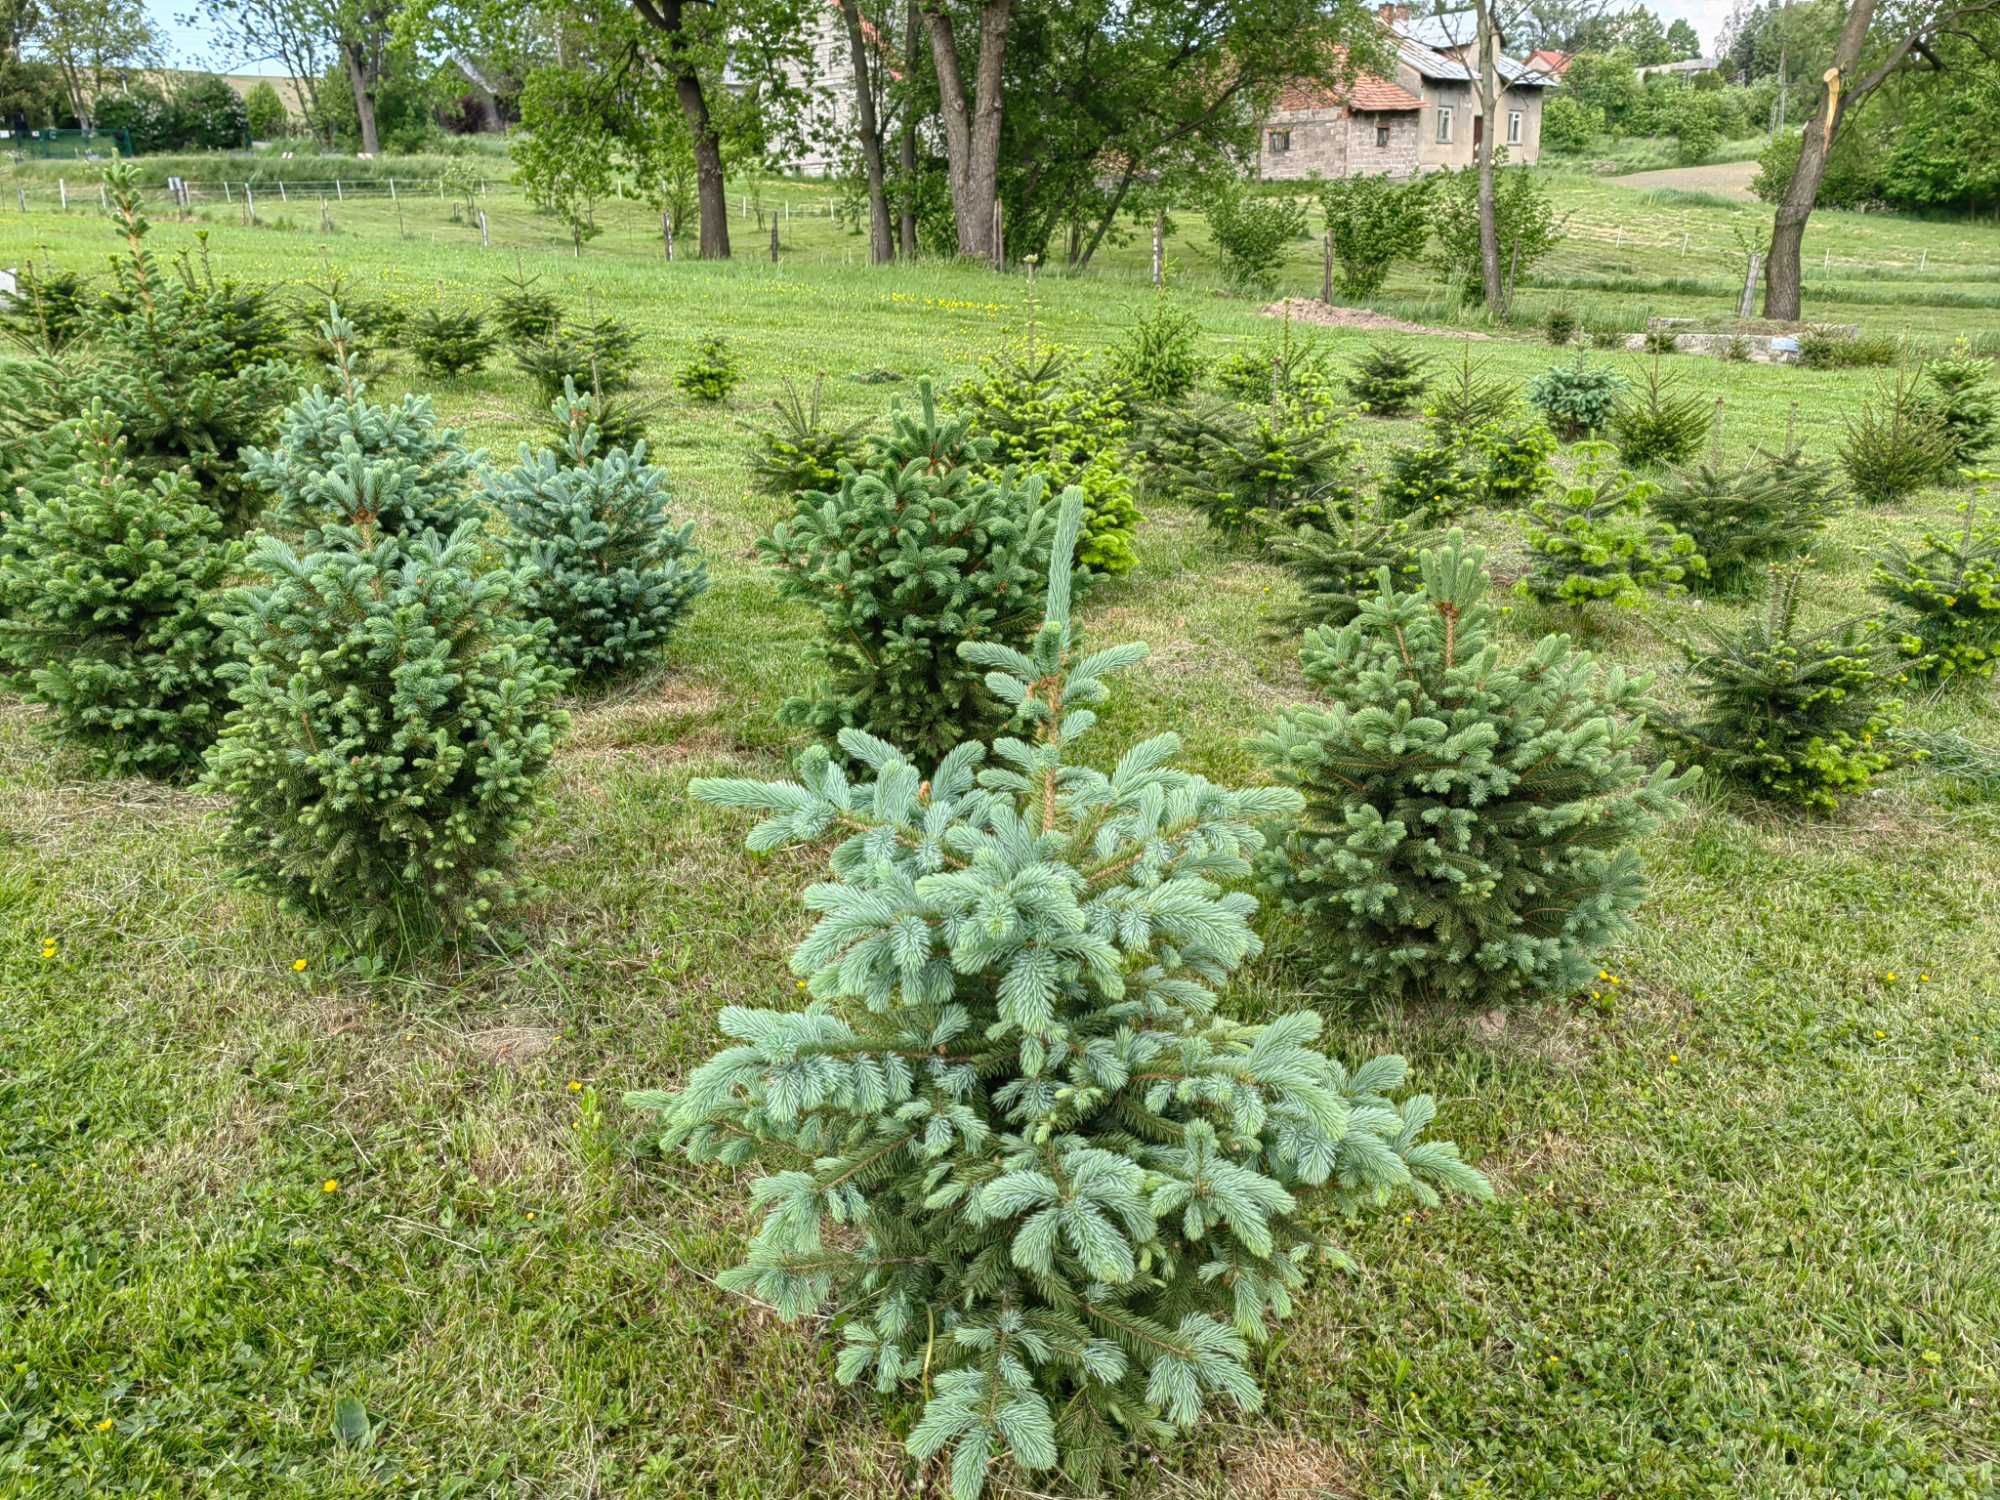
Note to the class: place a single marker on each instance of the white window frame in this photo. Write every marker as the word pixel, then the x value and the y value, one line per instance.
pixel 1444 125
pixel 1515 126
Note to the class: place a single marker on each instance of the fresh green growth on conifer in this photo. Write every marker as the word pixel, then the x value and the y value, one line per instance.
pixel 597 555
pixel 1013 1141
pixel 1746 516
pixel 448 342
pixel 1598 540
pixel 1514 458
pixel 1470 826
pixel 713 372
pixel 1657 424
pixel 190 369
pixel 1959 392
pixel 333 446
pixel 50 309
pixel 376 325
pixel 105 586
pixel 1949 593
pixel 37 449
pixel 1045 415
pixel 1339 568
pixel 1895 444
pixel 1579 398
pixel 393 722
pixel 1283 464
pixel 803 453
pixel 1431 483
pixel 1159 359
pixel 1794 716
pixel 917 550
pixel 1389 380
pixel 1287 368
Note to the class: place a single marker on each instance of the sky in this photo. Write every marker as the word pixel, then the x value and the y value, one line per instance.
pixel 193 46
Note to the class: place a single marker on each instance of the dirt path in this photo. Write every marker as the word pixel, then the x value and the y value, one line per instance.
pixel 1729 179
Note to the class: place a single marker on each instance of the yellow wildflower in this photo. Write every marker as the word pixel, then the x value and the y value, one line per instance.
pixel 105 1425
pixel 331 1185
pixel 300 965
pixel 1673 1057
pixel 575 1086
pixel 1880 1034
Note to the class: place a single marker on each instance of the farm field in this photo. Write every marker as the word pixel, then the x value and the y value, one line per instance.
pixel 1746 1233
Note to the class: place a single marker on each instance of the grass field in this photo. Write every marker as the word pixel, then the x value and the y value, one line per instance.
pixel 1747 1234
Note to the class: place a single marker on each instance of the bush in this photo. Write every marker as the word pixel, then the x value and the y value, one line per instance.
pixel 1251 233
pixel 1605 336
pixel 1949 592
pixel 1092 1184
pixel 1822 350
pixel 591 542
pixel 1430 482
pixel 1516 458
pixel 1339 568
pixel 1470 827
pixel 602 355
pixel 800 455
pixel 1159 359
pixel 105 588
pixel 392 726
pixel 918 550
pixel 1560 326
pixel 713 373
pixel 523 314
pixel 449 343
pixel 1657 424
pixel 1959 392
pixel 1596 539
pixel 1374 222
pixel 1523 216
pixel 1280 465
pixel 1468 402
pixel 206 115
pixel 264 114
pixel 340 457
pixel 1389 380
pixel 1662 341
pixel 1895 445
pixel 1578 398
pixel 1794 717
pixel 1045 415
pixel 1764 510
pixel 1569 125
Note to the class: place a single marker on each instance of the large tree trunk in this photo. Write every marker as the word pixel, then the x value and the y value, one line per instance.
pixel 711 193
pixel 881 247
pixel 486 99
pixel 361 78
pixel 1784 285
pixel 972 134
pixel 1488 41
pixel 906 147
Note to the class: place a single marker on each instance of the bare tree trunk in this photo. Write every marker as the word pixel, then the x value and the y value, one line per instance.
pixel 972 135
pixel 360 78
pixel 485 99
pixel 1784 284
pixel 711 194
pixel 1488 42
pixel 906 148
pixel 881 247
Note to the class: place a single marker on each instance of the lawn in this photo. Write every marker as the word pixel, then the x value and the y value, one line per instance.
pixel 1746 1238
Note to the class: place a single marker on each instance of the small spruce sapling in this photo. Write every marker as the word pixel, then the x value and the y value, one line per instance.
pixel 106 582
pixel 1013 1141
pixel 523 314
pixel 1339 568
pixel 1159 359
pixel 1429 482
pixel 1579 398
pixel 1746 516
pixel 1959 391
pixel 1389 380
pixel 713 372
pixel 597 556
pixel 1948 593
pixel 1895 445
pixel 1657 424
pixel 803 453
pixel 1470 825
pixel 449 343
pixel 1468 401
pixel 1597 540
pixel 601 355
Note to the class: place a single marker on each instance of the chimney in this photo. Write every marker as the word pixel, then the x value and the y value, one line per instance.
pixel 1393 14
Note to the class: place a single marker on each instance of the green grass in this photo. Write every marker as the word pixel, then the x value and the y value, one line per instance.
pixel 1749 1213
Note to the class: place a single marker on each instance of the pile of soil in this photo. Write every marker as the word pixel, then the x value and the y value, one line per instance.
pixel 1326 315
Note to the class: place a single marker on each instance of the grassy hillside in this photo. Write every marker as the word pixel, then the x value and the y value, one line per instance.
pixel 1747 1227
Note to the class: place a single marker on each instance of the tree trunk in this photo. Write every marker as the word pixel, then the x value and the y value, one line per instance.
pixel 906 148
pixel 485 100
pixel 360 78
pixel 881 247
pixel 1488 43
pixel 711 193
pixel 972 135
pixel 1784 286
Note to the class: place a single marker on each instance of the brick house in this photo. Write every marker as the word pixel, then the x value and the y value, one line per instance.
pixel 1423 118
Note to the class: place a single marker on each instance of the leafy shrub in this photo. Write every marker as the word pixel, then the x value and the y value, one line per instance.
pixel 1389 379
pixel 713 372
pixel 601 355
pixel 1577 398
pixel 1251 232
pixel 105 588
pixel 339 456
pixel 1515 458
pixel 1569 125
pixel 1949 592
pixel 1596 539
pixel 1090 1182
pixel 1522 214
pixel 1469 401
pixel 1793 716
pixel 1430 482
pixel 265 115
pixel 1278 465
pixel 1658 424
pixel 918 550
pixel 1743 518
pixel 1159 359
pixel 1338 568
pixel 1895 444
pixel 392 725
pixel 596 554
pixel 1045 414
pixel 449 343
pixel 1469 827
pixel 523 314
pixel 1959 392
pixel 1374 222
pixel 799 454
pixel 1560 326
pixel 1822 349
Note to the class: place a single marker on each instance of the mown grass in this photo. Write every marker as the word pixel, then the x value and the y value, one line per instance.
pixel 1748 1223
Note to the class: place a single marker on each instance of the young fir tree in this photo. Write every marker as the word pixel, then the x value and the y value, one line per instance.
pixel 1949 593
pixel 37 448
pixel 1598 539
pixel 417 475
pixel 596 553
pixel 803 453
pixel 1338 569
pixel 393 721
pixel 1469 826
pixel 1013 1141
pixel 1745 517
pixel 1959 391
pixel 918 550
pixel 191 369
pixel 105 587
pixel 1284 464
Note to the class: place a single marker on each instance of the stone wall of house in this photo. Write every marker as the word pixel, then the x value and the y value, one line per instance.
pixel 1369 156
pixel 1315 144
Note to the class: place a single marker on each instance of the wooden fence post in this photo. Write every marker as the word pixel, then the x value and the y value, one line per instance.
pixel 339 193
pixel 774 239
pixel 1750 285
pixel 22 194
pixel 1326 271
pixel 1159 247
pixel 999 236
pixel 249 206
pixel 667 230
pixel 325 223
pixel 62 191
pixel 484 242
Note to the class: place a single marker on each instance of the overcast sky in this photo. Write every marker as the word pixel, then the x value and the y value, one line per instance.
pixel 193 47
